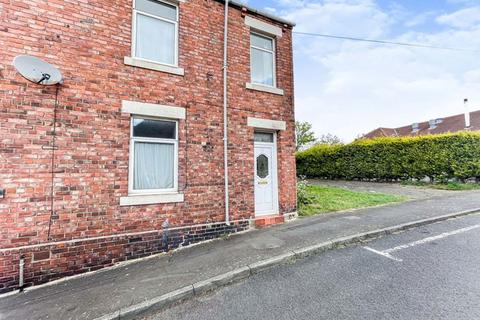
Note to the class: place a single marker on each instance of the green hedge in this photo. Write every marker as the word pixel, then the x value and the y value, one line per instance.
pixel 438 157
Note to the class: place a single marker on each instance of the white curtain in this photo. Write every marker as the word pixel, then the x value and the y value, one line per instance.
pixel 262 67
pixel 153 166
pixel 155 40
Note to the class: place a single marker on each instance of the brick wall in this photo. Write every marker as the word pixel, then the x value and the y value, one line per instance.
pixel 88 41
pixel 53 261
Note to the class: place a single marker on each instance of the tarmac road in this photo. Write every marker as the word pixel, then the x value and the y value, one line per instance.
pixel 431 272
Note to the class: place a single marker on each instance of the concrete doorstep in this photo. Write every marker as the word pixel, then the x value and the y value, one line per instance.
pixel 213 283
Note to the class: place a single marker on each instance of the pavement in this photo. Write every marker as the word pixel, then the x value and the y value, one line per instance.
pixel 107 291
pixel 434 275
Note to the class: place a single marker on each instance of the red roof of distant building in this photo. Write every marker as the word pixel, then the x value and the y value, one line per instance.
pixel 454 123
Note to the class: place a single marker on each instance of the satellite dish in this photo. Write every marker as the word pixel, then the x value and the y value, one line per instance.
pixel 37 70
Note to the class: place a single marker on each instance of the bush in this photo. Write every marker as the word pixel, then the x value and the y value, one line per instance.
pixel 441 158
pixel 304 196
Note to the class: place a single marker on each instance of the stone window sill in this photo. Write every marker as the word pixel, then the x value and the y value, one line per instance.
pixel 134 62
pixel 259 87
pixel 137 200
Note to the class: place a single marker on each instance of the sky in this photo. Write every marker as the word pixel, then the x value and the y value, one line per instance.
pixel 349 88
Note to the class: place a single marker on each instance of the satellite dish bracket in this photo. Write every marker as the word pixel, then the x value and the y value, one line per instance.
pixel 45 76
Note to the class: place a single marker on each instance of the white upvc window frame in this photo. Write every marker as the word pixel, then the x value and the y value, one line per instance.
pixel 134 32
pixel 274 53
pixel 131 166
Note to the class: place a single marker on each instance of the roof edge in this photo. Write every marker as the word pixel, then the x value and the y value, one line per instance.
pixel 241 4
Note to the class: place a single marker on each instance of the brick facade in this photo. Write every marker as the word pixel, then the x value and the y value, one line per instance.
pixel 88 42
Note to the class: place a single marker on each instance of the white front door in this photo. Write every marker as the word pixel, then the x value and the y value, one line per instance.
pixel 266 189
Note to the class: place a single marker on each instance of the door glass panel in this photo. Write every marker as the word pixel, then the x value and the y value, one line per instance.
pixel 263 137
pixel 262 166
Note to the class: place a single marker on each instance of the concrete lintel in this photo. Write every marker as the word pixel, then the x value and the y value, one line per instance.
pixel 266 124
pixel 263 26
pixel 153 110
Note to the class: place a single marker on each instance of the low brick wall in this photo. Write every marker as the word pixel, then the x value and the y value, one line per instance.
pixel 51 261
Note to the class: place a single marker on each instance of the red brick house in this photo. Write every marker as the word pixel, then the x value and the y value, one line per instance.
pixel 450 124
pixel 125 158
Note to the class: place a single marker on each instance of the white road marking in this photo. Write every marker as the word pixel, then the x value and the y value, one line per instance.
pixel 387 253
pixel 430 239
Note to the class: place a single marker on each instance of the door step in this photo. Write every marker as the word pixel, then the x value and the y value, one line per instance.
pixel 265 221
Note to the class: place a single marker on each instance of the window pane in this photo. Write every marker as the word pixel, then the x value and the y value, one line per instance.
pixel 148 128
pixel 155 40
pixel 261 42
pixel 153 166
pixel 262 67
pixel 263 137
pixel 156 8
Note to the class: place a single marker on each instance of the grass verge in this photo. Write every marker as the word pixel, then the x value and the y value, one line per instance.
pixel 454 186
pixel 329 199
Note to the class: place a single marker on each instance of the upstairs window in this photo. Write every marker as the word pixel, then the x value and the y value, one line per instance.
pixel 153 156
pixel 155 34
pixel 262 56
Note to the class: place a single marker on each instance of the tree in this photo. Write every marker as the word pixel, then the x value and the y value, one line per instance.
pixel 329 139
pixel 304 135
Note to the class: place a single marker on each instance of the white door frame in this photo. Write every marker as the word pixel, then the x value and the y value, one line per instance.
pixel 274 172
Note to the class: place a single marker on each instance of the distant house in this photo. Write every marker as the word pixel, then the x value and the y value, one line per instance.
pixel 454 123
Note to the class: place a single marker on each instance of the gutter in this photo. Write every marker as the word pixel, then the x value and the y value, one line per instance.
pixel 240 4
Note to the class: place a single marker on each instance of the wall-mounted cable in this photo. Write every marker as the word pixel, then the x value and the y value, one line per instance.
pixel 53 148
